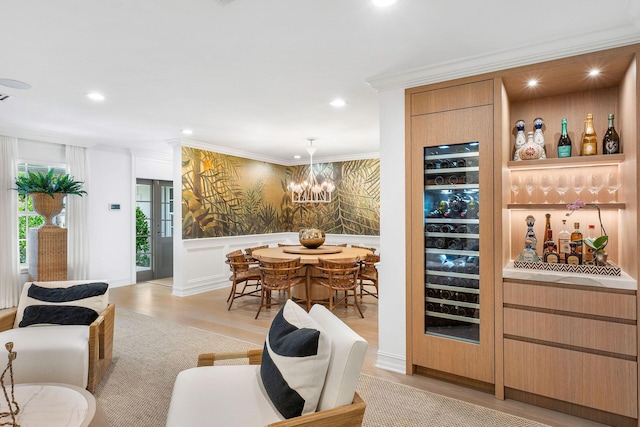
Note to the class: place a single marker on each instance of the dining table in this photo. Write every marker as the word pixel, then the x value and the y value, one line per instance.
pixel 310 258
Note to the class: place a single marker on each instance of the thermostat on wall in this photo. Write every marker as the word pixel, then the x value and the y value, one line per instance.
pixel 114 206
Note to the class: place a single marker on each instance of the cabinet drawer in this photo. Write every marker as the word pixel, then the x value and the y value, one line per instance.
pixel 605 302
pixel 598 335
pixel 452 98
pixel 595 381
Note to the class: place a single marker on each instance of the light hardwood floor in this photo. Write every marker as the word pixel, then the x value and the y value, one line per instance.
pixel 208 311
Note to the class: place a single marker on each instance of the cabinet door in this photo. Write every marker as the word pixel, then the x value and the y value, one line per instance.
pixel 452 294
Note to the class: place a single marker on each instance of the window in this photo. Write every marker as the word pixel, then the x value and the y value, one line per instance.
pixel 27 218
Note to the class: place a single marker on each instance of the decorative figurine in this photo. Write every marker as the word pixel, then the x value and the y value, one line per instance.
pixel 538 136
pixel 14 409
pixel 520 139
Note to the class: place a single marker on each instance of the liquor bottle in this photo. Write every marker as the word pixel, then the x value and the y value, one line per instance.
pixel 547 228
pixel 588 255
pixel 574 257
pixel 611 140
pixel 589 138
pixel 551 250
pixel 538 136
pixel 520 139
pixel 564 238
pixel 564 143
pixel 576 237
pixel 528 254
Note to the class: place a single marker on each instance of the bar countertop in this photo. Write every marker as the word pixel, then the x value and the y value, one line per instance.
pixel 623 281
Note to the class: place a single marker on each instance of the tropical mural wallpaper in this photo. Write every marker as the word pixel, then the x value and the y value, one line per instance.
pixel 225 195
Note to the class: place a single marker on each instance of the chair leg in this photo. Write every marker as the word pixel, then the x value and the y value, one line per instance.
pixel 355 298
pixel 232 295
pixel 262 297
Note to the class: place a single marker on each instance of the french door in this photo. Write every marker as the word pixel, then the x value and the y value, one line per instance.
pixel 154 229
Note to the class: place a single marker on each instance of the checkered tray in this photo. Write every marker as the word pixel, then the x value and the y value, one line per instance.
pixel 609 270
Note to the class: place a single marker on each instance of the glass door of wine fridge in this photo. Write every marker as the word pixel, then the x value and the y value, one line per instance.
pixel 451 241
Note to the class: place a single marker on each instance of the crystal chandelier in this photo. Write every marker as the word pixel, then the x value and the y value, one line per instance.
pixel 309 190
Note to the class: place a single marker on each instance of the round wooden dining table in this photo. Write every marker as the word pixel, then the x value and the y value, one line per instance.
pixel 309 258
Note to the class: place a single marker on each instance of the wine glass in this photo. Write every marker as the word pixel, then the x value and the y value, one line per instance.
pixel 545 185
pixel 578 184
pixel 613 183
pixel 595 185
pixel 515 187
pixel 530 185
pixel 562 186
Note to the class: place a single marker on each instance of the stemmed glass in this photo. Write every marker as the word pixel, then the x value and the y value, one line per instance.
pixel 530 185
pixel 515 187
pixel 578 184
pixel 613 183
pixel 562 186
pixel 545 185
pixel 595 185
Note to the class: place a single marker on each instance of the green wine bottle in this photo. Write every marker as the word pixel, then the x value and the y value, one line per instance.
pixel 564 143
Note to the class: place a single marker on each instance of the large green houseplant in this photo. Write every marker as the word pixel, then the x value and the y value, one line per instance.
pixel 47 191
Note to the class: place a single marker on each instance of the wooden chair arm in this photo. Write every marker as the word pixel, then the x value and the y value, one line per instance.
pixel 342 416
pixel 8 318
pixel 209 359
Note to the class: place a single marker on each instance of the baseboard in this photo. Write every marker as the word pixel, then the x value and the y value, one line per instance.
pixel 391 362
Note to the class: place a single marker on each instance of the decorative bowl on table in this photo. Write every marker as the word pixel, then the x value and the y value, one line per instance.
pixel 311 238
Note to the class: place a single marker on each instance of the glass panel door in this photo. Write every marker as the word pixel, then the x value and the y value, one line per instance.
pixel 451 241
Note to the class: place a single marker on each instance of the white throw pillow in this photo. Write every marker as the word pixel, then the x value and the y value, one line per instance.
pixel 295 361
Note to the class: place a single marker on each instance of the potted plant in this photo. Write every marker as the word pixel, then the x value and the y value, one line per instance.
pixel 598 244
pixel 47 191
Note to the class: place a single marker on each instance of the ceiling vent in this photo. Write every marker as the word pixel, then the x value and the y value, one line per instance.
pixel 4 97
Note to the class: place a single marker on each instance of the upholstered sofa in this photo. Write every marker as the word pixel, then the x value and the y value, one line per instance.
pixel 62 332
pixel 296 380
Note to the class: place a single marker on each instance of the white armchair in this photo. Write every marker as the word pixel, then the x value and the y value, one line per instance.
pixel 51 346
pixel 242 394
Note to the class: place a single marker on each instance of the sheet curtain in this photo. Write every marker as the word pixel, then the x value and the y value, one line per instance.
pixel 77 211
pixel 9 263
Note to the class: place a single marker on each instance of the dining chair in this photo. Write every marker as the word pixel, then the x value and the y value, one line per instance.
pixel 373 250
pixel 342 245
pixel 243 272
pixel 249 251
pixel 369 275
pixel 280 275
pixel 339 275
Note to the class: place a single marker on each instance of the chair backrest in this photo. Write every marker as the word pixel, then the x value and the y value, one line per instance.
pixel 373 250
pixel 339 272
pixel 279 273
pixel 237 262
pixel 249 251
pixel 347 355
pixel 369 264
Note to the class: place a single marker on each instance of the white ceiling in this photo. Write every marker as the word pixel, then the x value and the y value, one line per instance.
pixel 257 75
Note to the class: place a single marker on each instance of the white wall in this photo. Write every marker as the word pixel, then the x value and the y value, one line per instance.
pixel 111 247
pixel 391 303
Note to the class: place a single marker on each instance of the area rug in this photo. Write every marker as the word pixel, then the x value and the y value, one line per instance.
pixel 149 353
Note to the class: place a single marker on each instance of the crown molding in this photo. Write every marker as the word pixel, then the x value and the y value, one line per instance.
pixel 525 55
pixel 31 135
pixel 247 155
pixel 152 155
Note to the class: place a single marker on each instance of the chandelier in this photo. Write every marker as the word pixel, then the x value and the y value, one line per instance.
pixel 309 190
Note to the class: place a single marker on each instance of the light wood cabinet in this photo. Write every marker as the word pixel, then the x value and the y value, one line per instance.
pixel 551 344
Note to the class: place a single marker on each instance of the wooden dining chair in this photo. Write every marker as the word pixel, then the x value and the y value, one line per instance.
pixel 339 275
pixel 243 272
pixel 249 251
pixel 280 275
pixel 369 275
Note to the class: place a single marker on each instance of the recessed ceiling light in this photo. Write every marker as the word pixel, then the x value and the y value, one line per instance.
pixel 187 131
pixel 532 83
pixel 338 102
pixel 95 96
pixel 594 72
pixel 297 156
pixel 384 3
